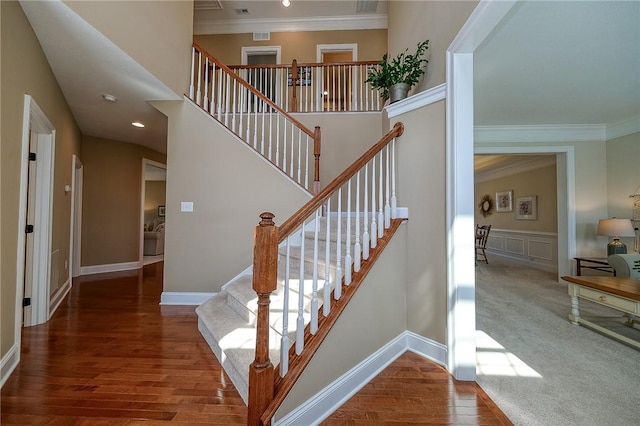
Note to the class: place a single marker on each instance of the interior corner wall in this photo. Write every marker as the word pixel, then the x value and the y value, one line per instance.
pixel 157 34
pixel 421 160
pixel 540 182
pixel 25 70
pixel 111 200
pixel 623 174
pixel 230 186
pixel 299 45
pixel 411 22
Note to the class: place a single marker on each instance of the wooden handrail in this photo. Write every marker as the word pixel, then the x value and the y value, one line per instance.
pixel 253 90
pixel 316 202
pixel 310 64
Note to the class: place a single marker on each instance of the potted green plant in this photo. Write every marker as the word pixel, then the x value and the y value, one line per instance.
pixel 394 78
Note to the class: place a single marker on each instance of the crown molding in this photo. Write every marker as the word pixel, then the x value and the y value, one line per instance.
pixel 623 128
pixel 318 23
pixel 557 133
pixel 416 101
pixel 541 133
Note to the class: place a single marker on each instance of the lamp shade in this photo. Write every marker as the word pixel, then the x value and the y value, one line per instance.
pixel 616 228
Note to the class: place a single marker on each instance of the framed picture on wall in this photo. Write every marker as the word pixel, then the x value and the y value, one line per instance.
pixel 161 211
pixel 527 207
pixel 504 201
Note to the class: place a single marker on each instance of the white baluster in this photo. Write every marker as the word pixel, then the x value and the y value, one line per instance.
pixel 213 89
pixel 374 228
pixel 326 289
pixel 193 63
pixel 347 259
pixel 394 201
pixel 270 132
pixel 205 102
pixel 300 322
pixel 284 341
pixel 199 92
pixel 306 170
pixel 255 122
pixel 291 158
pixel 264 107
pixel 234 108
pixel 338 281
pixel 219 94
pixel 365 235
pixel 242 96
pixel 227 100
pixel 299 155
pixel 387 206
pixel 277 140
pixel 380 202
pixel 284 147
pixel 357 249
pixel 314 290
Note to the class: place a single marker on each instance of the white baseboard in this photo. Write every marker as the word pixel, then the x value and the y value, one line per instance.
pixel 184 298
pixel 325 402
pixel 59 297
pixel 9 363
pixel 113 267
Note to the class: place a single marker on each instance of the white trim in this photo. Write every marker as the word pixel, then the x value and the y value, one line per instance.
pixel 57 299
pixel 623 128
pixel 75 230
pixel 324 403
pixel 9 363
pixel 327 48
pixel 247 51
pixel 316 23
pixel 416 101
pixel 184 298
pixel 402 212
pixel 460 250
pixel 112 267
pixel 145 162
pixel 541 133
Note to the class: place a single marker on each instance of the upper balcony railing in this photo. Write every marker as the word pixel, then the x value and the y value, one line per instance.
pixel 314 87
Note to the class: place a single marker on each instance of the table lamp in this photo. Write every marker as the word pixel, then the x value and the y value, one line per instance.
pixel 616 228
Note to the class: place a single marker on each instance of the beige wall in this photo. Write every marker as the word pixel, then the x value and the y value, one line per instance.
pixel 411 22
pixel 111 200
pixel 230 186
pixel 345 137
pixel 25 70
pixel 540 182
pixel 161 42
pixel 154 195
pixel 421 188
pixel 375 316
pixel 372 44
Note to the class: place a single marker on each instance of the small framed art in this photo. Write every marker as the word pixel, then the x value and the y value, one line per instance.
pixel 161 211
pixel 527 207
pixel 504 201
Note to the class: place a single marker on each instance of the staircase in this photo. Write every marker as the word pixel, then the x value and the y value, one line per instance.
pixel 227 320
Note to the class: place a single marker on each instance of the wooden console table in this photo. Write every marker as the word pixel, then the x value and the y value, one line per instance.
pixel 622 294
pixel 595 263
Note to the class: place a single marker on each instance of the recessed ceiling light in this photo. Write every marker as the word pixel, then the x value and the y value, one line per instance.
pixel 286 3
pixel 137 124
pixel 109 98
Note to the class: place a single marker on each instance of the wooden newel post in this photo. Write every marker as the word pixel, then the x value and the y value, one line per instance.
pixel 316 155
pixel 294 83
pixel 265 271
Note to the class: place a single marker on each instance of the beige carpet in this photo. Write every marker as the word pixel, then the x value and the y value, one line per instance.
pixel 539 368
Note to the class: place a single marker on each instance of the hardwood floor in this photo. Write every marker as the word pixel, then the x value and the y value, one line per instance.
pixel 111 355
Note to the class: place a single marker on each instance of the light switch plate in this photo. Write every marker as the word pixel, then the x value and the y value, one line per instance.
pixel 186 206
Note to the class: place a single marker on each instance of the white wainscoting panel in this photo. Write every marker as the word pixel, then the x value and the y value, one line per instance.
pixel 535 249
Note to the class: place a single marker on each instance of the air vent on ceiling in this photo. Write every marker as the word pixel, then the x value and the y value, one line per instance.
pixel 367 6
pixel 261 36
pixel 207 5
pixel 242 11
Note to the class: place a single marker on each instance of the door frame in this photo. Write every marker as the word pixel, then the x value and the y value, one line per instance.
pixel 145 162
pixel 336 48
pixel 75 237
pixel 260 50
pixel 34 120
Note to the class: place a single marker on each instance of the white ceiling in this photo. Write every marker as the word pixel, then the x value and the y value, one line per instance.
pixel 549 62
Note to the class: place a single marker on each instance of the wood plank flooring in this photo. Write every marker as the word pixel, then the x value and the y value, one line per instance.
pixel 111 355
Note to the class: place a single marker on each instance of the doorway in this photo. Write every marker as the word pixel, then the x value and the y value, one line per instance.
pixel 152 211
pixel 35 211
pixel 338 80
